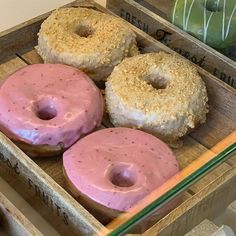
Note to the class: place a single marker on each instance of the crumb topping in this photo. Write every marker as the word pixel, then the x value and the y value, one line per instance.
pixel 97 38
pixel 158 92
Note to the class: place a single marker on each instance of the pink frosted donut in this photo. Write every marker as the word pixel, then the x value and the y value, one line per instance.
pixel 45 108
pixel 112 169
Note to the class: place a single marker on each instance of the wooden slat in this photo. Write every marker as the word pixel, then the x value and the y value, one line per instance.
pixel 232 161
pixel 32 57
pixel 211 177
pixel 190 152
pixel 13 222
pixel 213 199
pixel 178 40
pixel 215 129
pixel 160 7
pixel 163 5
pixel 10 67
pixel 8 46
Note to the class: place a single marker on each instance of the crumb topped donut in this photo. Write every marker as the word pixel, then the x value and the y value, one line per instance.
pixel 87 39
pixel 45 108
pixel 160 93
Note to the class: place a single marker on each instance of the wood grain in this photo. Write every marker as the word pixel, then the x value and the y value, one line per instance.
pixel 160 7
pixel 10 67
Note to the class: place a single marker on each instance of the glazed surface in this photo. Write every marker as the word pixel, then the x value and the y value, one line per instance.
pixel 49 104
pixel 117 167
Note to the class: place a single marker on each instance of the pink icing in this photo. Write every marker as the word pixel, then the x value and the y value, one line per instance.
pixel 49 104
pixel 117 167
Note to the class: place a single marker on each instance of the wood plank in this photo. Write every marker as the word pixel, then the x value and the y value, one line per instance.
pixel 175 38
pixel 8 45
pixel 205 204
pixel 163 5
pixel 211 177
pixel 32 57
pixel 13 221
pixel 190 152
pixel 232 160
pixel 217 127
pixel 10 67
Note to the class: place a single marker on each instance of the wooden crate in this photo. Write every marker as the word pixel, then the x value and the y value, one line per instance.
pixel 151 17
pixel 41 182
pixel 13 222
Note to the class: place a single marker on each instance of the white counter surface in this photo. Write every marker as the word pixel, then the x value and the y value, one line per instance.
pixel 14 12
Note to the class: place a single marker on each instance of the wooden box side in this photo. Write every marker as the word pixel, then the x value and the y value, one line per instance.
pixel 13 222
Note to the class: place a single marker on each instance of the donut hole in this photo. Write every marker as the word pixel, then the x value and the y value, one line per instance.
pixel 156 81
pixel 47 113
pixel 122 176
pixel 45 110
pixel 84 31
pixel 213 6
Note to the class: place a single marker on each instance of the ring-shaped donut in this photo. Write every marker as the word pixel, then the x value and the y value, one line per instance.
pixel 45 108
pixel 112 169
pixel 87 39
pixel 160 93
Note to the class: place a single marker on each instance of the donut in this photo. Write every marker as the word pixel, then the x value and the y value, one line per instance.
pixel 87 39
pixel 45 108
pixel 159 93
pixel 211 21
pixel 112 169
